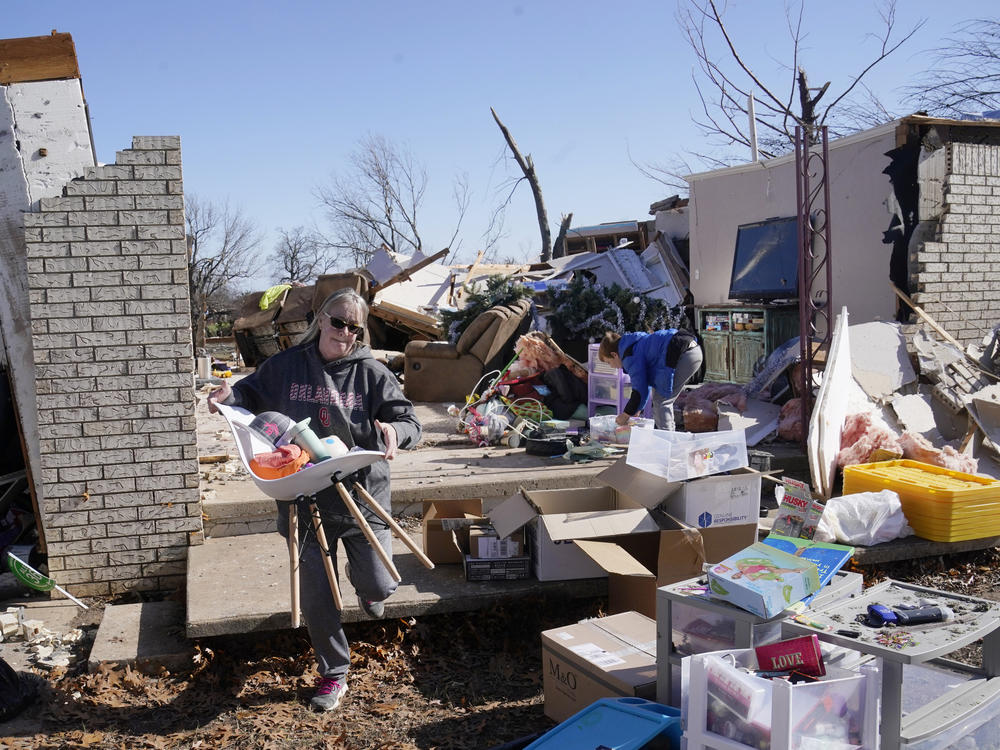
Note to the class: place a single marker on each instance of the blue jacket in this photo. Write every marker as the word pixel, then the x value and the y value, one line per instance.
pixel 646 364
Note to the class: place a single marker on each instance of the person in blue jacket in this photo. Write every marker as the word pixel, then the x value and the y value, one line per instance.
pixel 658 365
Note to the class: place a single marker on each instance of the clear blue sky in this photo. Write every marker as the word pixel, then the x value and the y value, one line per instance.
pixel 270 98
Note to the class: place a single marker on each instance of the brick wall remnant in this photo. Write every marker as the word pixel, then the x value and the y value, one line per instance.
pixel 958 282
pixel 110 315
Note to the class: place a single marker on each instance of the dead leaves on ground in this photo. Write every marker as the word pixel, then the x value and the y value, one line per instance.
pixel 434 682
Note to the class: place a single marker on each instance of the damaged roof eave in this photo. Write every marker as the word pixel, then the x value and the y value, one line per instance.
pixel 848 140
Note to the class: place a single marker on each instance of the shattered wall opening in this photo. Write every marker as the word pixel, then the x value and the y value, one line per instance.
pixel 109 308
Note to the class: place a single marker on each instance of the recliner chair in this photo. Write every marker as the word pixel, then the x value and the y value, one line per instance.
pixel 441 371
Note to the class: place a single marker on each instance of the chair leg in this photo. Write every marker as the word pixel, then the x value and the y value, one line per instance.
pixel 324 549
pixel 396 528
pixel 293 563
pixel 367 530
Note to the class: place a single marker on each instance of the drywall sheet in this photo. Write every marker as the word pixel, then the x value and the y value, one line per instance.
pixel 879 361
pixel 830 410
pixel 916 414
pixel 424 292
pixel 758 420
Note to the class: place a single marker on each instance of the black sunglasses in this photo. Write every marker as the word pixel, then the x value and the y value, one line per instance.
pixel 338 323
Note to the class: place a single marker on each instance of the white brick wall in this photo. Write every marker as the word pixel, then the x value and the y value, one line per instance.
pixel 109 303
pixel 958 276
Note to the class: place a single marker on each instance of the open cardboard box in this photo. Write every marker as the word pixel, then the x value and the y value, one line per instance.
pixel 717 500
pixel 446 526
pixel 613 530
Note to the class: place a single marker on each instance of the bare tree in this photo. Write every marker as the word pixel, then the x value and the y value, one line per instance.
pixel 531 177
pixel 300 255
pixel 965 73
pixel 725 81
pixel 223 247
pixel 377 202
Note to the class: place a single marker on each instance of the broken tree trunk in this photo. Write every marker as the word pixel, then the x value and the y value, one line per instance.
pixel 559 248
pixel 528 169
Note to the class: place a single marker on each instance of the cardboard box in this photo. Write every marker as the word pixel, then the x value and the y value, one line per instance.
pixel 446 526
pixel 554 519
pixel 606 657
pixel 484 542
pixel 496 569
pixel 639 564
pixel 612 531
pixel 763 580
pixel 720 500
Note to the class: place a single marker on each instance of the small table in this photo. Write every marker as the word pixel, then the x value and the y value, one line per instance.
pixel 895 646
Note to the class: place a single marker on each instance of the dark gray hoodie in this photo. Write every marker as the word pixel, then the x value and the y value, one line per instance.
pixel 342 398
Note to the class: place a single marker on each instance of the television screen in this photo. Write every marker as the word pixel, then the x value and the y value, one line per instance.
pixel 766 261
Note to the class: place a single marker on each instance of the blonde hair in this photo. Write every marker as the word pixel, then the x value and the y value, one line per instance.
pixel 346 294
pixel 609 345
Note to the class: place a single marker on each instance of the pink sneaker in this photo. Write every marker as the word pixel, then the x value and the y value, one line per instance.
pixel 328 694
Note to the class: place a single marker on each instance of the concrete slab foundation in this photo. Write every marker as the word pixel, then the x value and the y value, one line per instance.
pixel 147 636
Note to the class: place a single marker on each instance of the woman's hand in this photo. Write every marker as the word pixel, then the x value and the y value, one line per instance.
pixel 219 394
pixel 622 419
pixel 389 438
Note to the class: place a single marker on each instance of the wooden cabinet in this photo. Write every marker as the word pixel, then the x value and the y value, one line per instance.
pixel 735 337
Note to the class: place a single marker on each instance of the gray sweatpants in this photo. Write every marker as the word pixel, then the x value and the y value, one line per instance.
pixel 663 406
pixel 368 576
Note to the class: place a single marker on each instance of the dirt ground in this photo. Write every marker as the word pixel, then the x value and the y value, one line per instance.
pixel 448 682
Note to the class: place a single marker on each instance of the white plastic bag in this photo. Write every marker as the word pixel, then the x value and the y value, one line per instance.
pixel 863 519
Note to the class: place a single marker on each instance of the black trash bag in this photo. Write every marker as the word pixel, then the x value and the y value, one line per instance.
pixel 16 692
pixel 566 391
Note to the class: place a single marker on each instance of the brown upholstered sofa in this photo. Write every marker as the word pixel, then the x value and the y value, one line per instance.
pixel 440 371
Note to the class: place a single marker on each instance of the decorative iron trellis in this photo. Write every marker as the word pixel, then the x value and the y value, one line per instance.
pixel 812 192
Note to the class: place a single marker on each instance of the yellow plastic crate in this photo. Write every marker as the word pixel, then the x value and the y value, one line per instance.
pixel 941 504
pixel 944 531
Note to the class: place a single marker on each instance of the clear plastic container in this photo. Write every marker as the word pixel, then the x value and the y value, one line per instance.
pixel 677 456
pixel 722 700
pixel 696 630
pixel 605 429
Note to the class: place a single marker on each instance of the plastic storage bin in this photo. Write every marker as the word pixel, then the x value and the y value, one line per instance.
pixel 604 428
pixel 940 504
pixel 726 707
pixel 677 456
pixel 968 717
pixel 696 630
pixel 620 723
pixel 608 386
pixel 692 622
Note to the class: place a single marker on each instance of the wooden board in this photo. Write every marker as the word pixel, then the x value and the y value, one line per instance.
pixel 38 58
pixel 408 319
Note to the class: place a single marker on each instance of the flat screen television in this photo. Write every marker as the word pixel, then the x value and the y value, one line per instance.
pixel 766 261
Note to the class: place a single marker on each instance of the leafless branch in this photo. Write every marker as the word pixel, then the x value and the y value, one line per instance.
pixel 378 202
pixel 725 78
pixel 224 248
pixel 965 71
pixel 887 47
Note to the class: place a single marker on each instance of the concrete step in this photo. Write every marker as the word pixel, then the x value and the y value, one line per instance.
pixel 148 636
pixel 233 505
pixel 241 584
